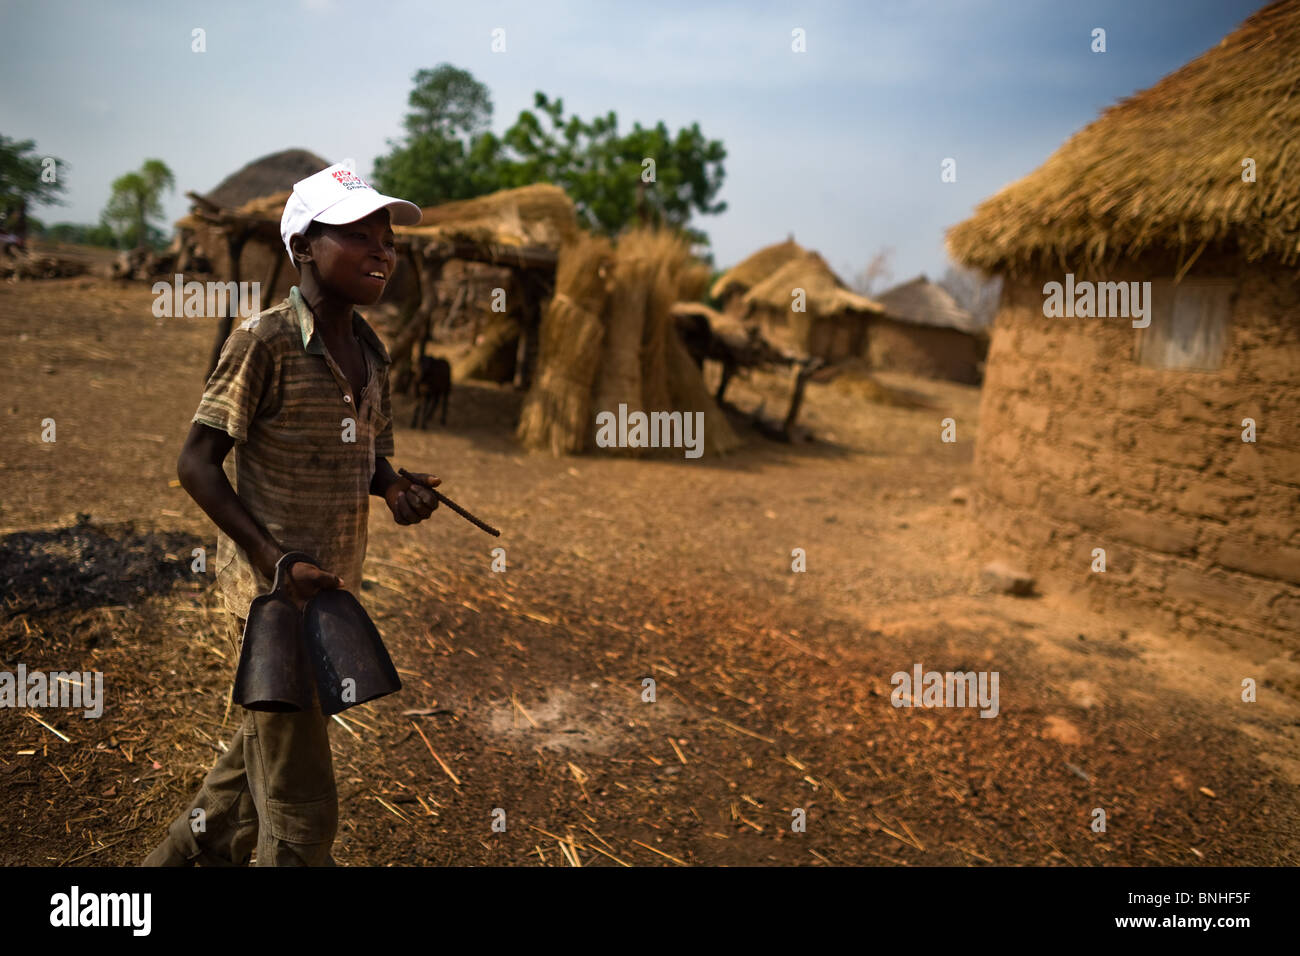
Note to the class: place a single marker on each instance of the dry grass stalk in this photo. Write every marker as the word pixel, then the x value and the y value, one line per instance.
pixel 392 809
pixel 610 855
pixel 48 727
pixel 520 707
pixel 668 856
pixel 445 769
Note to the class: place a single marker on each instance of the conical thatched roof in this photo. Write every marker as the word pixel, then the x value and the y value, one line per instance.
pixel 749 272
pixel 270 174
pixel 825 293
pixel 1163 168
pixel 922 302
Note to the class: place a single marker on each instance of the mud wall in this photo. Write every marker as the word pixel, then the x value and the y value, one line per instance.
pixel 1080 447
pixel 924 350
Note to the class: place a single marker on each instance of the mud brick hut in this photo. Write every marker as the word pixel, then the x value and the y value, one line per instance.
pixel 1096 434
pixel 925 332
pixel 804 308
pixel 730 288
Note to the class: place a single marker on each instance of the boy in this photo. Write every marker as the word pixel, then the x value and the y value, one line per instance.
pixel 302 390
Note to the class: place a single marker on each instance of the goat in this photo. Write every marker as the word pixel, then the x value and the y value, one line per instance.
pixel 433 387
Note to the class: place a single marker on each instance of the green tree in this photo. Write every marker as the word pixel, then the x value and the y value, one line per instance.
pixel 647 176
pixel 136 198
pixel 447 152
pixel 28 177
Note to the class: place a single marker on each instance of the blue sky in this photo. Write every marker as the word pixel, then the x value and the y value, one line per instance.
pixel 840 145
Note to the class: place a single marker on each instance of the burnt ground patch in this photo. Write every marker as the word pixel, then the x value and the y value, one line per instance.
pixel 90 565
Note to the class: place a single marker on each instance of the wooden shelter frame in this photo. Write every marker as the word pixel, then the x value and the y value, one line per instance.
pixel 533 267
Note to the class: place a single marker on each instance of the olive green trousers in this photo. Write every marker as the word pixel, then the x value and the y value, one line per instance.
pixel 273 790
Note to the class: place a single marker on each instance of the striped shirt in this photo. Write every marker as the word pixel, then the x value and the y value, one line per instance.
pixel 305 447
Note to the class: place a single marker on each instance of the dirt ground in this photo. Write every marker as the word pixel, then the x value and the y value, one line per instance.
pixel 523 688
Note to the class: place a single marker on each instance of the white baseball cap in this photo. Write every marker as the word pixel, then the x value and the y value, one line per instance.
pixel 337 195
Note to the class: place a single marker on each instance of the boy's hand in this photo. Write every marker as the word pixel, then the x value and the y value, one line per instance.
pixel 305 581
pixel 410 501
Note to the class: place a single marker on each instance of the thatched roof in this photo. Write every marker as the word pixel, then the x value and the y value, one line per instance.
pixel 825 293
pixel 1163 169
pixel 749 272
pixel 922 302
pixel 538 217
pixel 270 174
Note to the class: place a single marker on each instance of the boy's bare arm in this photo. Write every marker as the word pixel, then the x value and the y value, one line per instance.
pixel 384 478
pixel 199 469
pixel 200 472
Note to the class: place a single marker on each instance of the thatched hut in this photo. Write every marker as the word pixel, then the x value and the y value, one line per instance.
pixel 925 332
pixel 730 288
pixel 804 308
pixel 490 263
pixel 199 239
pixel 516 230
pixel 1168 440
pixel 276 172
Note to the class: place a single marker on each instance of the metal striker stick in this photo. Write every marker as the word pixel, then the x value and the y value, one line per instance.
pixel 451 504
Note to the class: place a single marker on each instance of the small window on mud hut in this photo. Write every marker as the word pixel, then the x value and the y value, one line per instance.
pixel 1189 324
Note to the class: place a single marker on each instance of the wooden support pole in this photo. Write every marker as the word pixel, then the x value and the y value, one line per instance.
pixel 235 239
pixel 411 334
pixel 270 283
pixel 536 292
pixel 803 372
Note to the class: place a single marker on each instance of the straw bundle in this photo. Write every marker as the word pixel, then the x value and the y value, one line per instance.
pixel 557 410
pixel 669 379
pixel 636 259
pixel 608 338
pixel 678 277
pixel 676 274
pixel 1163 170
pixel 690 394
